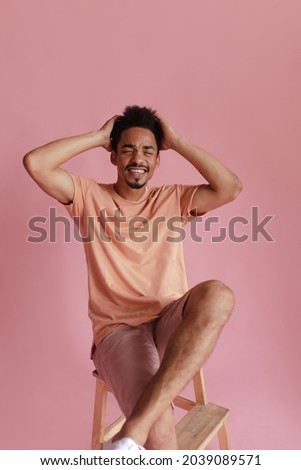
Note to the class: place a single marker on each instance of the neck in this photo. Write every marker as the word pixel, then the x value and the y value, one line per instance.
pixel 126 192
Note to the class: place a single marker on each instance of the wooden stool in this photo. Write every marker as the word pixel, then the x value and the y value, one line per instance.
pixel 202 422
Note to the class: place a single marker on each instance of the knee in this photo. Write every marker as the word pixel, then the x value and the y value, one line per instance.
pixel 219 291
pixel 213 300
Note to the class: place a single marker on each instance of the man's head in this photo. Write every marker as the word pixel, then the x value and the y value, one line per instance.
pixel 136 140
pixel 136 116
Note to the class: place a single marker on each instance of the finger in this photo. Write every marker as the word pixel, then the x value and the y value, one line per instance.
pixel 158 116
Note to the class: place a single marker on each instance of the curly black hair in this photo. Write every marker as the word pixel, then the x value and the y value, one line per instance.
pixel 136 116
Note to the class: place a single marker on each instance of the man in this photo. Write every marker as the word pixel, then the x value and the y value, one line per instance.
pixel 151 334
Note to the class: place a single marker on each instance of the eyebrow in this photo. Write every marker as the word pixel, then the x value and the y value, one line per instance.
pixel 132 146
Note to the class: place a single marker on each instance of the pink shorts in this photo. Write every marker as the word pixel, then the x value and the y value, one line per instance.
pixel 128 357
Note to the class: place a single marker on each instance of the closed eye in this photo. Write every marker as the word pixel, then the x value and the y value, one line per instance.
pixel 129 149
pixel 148 150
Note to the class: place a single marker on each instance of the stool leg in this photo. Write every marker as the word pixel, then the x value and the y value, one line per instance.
pixel 99 416
pixel 199 387
pixel 223 437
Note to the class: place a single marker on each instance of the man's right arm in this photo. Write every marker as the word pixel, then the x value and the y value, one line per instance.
pixel 44 163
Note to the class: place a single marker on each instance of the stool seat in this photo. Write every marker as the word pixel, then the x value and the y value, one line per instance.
pixel 202 422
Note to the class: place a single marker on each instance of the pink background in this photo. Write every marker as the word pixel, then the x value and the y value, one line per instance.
pixel 226 73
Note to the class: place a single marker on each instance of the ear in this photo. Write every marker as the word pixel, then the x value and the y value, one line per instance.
pixel 114 158
pixel 158 160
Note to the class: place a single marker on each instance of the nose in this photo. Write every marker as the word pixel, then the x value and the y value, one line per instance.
pixel 137 154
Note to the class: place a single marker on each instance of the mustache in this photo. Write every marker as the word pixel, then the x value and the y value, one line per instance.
pixel 134 165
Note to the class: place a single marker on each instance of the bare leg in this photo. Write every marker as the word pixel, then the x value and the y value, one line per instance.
pixel 162 435
pixel 207 310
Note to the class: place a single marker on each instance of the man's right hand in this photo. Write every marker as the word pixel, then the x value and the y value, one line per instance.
pixel 105 133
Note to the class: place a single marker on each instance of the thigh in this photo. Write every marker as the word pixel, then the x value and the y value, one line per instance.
pixel 169 321
pixel 126 359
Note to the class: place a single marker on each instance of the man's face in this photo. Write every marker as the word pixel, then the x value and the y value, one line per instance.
pixel 136 157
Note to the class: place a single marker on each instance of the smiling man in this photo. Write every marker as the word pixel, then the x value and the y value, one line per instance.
pixel 151 333
pixel 137 161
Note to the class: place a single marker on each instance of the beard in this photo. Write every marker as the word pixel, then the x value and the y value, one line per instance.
pixel 136 185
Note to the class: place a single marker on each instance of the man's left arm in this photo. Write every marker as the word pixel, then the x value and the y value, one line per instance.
pixel 223 185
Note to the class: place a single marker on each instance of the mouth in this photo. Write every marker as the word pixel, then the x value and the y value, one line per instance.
pixel 136 172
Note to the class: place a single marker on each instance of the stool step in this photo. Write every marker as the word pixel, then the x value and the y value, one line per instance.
pixel 200 425
pixel 114 428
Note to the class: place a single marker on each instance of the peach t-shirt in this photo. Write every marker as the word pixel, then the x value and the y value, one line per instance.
pixel 133 251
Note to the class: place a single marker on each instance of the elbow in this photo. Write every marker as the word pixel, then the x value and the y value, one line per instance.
pixel 235 190
pixel 29 162
pixel 237 187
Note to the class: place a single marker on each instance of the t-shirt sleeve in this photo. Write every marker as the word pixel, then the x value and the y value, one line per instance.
pixel 186 196
pixel 76 207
